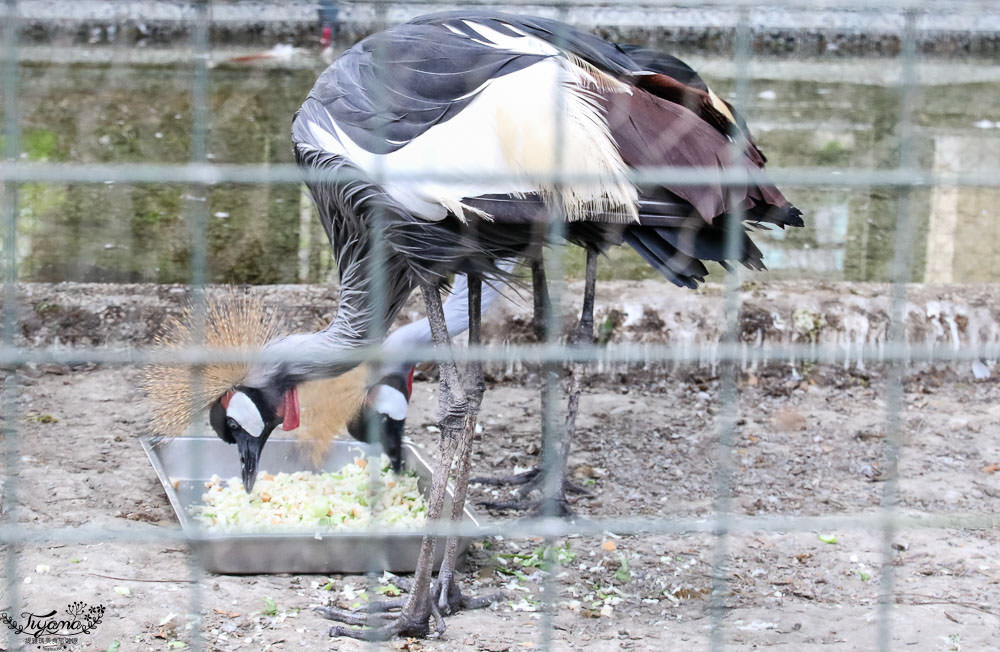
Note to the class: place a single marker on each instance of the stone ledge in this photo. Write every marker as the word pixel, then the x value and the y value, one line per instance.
pixel 778 312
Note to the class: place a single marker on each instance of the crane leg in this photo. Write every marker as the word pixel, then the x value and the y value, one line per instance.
pixel 541 302
pixel 449 596
pixel 457 419
pixel 584 335
pixel 555 450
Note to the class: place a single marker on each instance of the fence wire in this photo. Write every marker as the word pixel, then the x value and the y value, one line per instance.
pixel 199 174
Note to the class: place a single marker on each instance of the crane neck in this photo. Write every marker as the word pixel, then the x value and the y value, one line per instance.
pixel 360 322
pixel 362 319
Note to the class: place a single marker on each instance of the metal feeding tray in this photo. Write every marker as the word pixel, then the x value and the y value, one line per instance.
pixel 358 551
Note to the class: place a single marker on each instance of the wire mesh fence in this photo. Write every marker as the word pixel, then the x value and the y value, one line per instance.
pixel 150 189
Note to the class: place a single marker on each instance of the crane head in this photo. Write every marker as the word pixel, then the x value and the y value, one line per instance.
pixel 382 416
pixel 247 416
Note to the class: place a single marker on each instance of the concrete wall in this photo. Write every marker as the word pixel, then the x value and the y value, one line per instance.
pixel 845 315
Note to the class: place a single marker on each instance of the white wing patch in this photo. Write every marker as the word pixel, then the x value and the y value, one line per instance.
pixel 390 402
pixel 525 43
pixel 557 125
pixel 505 142
pixel 325 139
pixel 242 410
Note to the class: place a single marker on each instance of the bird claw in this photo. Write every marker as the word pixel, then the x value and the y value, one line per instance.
pixel 374 626
pixel 358 617
pixel 379 621
pixel 399 627
pixel 558 507
pixel 529 482
pixel 455 601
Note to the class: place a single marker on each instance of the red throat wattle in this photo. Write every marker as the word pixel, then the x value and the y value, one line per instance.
pixel 289 410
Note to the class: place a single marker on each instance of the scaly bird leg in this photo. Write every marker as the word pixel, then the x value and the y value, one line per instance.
pixel 555 450
pixel 449 596
pixel 541 303
pixel 414 619
pixel 554 500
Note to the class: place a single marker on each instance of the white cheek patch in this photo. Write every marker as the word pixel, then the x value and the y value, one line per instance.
pixel 242 410
pixel 390 402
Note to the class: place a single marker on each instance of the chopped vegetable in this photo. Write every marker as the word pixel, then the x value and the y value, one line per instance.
pixel 623 575
pixel 345 499
pixel 542 557
pixel 827 538
pixel 270 607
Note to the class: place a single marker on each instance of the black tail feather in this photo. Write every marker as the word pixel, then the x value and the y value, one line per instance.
pixel 782 216
pixel 678 268
pixel 709 243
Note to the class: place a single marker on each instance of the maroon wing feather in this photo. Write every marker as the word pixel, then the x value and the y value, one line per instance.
pixel 700 103
pixel 652 132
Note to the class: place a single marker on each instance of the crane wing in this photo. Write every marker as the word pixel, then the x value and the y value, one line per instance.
pixel 444 111
pixel 471 115
pixel 393 86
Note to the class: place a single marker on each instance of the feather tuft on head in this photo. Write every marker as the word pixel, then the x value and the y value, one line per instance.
pixel 233 321
pixel 238 322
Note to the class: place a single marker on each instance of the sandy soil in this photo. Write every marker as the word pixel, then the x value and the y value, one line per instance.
pixel 646 447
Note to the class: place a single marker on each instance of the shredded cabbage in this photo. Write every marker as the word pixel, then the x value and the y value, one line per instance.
pixel 345 499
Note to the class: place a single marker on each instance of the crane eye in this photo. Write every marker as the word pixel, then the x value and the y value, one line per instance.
pixel 242 413
pixel 235 427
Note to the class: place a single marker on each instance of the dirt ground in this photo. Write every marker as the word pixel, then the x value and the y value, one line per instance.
pixel 811 445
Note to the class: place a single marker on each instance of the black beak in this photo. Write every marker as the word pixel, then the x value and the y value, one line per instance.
pixel 249 448
pixel 392 441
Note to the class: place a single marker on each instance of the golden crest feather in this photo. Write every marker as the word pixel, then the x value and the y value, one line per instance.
pixel 238 322
pixel 233 321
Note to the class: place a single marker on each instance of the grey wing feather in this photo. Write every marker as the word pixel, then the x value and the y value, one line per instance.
pixel 395 85
pixel 596 51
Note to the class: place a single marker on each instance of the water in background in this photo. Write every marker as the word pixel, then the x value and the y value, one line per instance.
pixel 826 114
pixel 122 232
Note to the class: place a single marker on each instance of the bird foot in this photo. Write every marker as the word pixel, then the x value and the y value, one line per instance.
pixel 453 600
pixel 408 617
pixel 559 507
pixel 378 626
pixel 531 481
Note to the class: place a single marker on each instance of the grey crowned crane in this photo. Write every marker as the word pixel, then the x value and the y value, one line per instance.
pixel 396 380
pixel 465 117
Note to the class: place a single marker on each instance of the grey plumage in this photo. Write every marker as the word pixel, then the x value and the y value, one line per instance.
pixel 391 88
